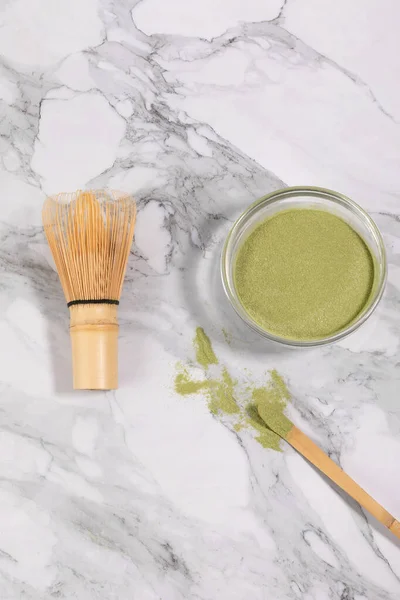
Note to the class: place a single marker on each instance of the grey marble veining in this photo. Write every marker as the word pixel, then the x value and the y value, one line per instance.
pixel 197 109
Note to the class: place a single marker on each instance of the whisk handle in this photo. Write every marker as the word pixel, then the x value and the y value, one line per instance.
pixel 94 340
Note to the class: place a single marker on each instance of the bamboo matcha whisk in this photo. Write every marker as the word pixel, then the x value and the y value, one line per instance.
pixel 90 235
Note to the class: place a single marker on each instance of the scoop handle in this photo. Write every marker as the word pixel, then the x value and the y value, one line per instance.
pixel 302 443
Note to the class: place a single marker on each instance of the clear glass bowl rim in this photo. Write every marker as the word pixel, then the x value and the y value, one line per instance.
pixel 276 196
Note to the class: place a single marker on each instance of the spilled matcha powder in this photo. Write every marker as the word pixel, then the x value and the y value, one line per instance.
pixel 304 274
pixel 221 395
pixel 205 355
pixel 219 392
pixel 224 397
pixel 270 403
pixel 186 386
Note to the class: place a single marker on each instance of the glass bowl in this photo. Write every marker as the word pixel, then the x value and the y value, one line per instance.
pixel 304 197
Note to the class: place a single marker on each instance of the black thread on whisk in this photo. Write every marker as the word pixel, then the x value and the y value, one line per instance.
pixel 96 301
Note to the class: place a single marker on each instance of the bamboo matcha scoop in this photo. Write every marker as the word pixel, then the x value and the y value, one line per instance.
pixel 283 427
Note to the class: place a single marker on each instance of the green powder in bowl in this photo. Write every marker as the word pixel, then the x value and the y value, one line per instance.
pixel 304 266
pixel 304 274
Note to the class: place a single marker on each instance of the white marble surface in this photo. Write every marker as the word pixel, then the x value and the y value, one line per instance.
pixel 197 108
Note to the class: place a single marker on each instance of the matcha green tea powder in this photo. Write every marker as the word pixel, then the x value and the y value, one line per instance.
pixel 304 274
pixel 205 354
pixel 226 398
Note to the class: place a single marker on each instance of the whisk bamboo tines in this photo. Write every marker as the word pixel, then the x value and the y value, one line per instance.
pixel 90 235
